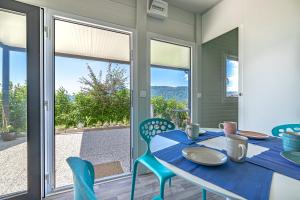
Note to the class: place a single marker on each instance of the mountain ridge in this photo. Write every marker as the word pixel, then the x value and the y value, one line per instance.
pixel 180 93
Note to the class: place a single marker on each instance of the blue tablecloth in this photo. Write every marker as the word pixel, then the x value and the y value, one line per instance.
pixel 245 179
pixel 272 160
pixel 180 136
pixel 251 179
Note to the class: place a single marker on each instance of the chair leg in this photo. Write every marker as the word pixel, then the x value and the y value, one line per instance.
pixel 135 166
pixel 170 182
pixel 203 194
pixel 162 188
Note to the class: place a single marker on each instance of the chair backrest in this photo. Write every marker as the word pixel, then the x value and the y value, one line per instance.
pixel 153 126
pixel 276 131
pixel 83 176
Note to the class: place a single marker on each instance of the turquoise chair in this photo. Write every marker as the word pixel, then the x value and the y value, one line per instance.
pixel 148 129
pixel 83 176
pixel 276 131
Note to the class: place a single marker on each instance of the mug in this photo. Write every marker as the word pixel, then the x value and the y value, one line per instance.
pixel 236 147
pixel 228 127
pixel 192 131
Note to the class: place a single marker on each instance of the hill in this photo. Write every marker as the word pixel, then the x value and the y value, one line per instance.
pixel 179 93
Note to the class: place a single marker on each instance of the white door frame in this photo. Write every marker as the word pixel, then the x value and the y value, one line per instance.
pixel 50 15
pixel 241 98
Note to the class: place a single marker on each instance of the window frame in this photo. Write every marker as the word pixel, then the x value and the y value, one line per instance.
pixel 34 76
pixel 225 98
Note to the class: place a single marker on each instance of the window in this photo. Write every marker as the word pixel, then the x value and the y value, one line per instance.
pixel 170 81
pixel 231 77
pixel 13 103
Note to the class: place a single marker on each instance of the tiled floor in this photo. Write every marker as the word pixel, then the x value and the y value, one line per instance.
pixel 146 187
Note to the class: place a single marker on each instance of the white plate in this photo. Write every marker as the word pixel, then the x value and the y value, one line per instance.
pixel 204 156
pixel 202 131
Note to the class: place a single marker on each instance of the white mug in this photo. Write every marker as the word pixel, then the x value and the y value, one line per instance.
pixel 236 147
pixel 192 131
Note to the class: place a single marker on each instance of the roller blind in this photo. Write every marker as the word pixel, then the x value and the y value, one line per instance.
pixel 12 30
pixel 86 41
pixel 170 55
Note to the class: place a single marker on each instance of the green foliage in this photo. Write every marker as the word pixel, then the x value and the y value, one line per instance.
pixel 63 108
pixel 103 101
pixel 99 101
pixel 10 129
pixel 18 107
pixel 17 119
pixel 164 108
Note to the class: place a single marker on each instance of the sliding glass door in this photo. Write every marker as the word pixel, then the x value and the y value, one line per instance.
pixel 91 99
pixel 20 152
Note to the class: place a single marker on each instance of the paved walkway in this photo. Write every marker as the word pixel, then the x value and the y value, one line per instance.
pixel 95 146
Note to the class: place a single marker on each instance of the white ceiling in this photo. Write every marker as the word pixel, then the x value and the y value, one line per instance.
pixel 196 6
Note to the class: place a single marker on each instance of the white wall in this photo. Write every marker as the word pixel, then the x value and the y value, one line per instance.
pixel 215 109
pixel 223 17
pixel 271 61
pixel 179 24
pixel 121 12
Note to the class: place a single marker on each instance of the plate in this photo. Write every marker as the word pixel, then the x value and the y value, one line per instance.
pixel 292 156
pixel 204 156
pixel 202 131
pixel 254 135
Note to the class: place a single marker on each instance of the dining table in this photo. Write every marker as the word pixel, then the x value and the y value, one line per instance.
pixel 281 186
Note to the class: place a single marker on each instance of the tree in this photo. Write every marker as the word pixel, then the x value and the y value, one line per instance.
pixel 165 109
pixel 63 108
pixel 18 107
pixel 86 109
pixel 111 94
pixel 115 79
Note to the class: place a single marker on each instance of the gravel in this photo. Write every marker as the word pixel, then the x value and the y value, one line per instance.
pixel 96 146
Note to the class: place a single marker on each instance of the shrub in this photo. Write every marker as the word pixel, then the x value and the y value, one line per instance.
pixel 164 108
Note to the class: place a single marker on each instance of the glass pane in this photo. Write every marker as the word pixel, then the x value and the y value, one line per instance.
pixel 170 55
pixel 92 103
pixel 13 94
pixel 170 94
pixel 232 77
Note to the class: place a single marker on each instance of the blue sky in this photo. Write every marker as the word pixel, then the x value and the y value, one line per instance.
pixel 69 70
pixel 232 75
pixel 168 77
pixel 17 66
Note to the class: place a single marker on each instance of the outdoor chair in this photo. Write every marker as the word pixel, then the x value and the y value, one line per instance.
pixel 83 176
pixel 148 129
pixel 276 131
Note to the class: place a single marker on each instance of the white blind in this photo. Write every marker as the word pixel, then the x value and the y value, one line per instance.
pixel 80 40
pixel 12 29
pixel 170 55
